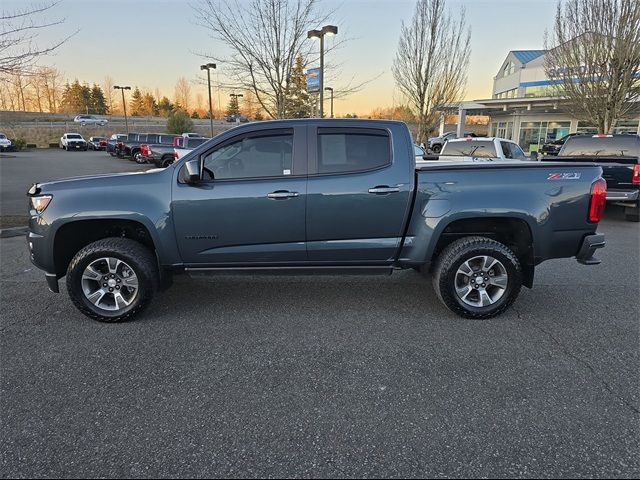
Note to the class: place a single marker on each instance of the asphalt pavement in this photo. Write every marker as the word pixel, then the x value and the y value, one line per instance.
pixel 19 170
pixel 326 377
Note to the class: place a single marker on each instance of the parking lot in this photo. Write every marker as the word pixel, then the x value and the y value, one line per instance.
pixel 318 376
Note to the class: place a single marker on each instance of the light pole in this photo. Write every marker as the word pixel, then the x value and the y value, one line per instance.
pixel 124 105
pixel 330 89
pixel 328 30
pixel 208 68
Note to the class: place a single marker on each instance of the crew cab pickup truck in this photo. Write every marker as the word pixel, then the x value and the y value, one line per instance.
pixel 314 196
pixel 619 157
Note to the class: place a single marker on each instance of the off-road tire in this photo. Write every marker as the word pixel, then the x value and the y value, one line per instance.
pixel 166 161
pixel 436 148
pixel 139 257
pixel 458 252
pixel 632 214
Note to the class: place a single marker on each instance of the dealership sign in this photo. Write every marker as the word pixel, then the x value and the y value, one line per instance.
pixel 313 80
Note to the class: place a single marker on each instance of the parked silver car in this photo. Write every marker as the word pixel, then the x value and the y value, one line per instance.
pixel 90 120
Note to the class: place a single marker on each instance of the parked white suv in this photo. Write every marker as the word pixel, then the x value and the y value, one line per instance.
pixel 90 120
pixel 73 141
pixel 481 149
pixel 4 142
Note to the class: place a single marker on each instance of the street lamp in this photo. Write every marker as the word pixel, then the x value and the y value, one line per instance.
pixel 327 30
pixel 330 89
pixel 208 68
pixel 124 105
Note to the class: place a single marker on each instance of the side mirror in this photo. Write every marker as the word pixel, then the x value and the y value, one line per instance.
pixel 192 171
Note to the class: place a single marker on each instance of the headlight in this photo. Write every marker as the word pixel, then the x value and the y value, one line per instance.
pixel 41 202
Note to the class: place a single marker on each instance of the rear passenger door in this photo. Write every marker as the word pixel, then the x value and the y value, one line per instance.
pixel 357 195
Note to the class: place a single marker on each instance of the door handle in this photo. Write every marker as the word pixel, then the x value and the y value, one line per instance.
pixel 382 189
pixel 281 194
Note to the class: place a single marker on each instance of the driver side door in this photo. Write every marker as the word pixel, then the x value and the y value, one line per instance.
pixel 249 208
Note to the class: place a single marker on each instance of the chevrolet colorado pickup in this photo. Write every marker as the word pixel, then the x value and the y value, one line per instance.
pixel 314 196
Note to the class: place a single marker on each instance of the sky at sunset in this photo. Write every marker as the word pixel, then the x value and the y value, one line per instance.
pixel 150 43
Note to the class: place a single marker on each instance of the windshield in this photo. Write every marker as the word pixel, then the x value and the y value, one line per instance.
pixel 74 136
pixel 3 136
pixel 614 146
pixel 473 148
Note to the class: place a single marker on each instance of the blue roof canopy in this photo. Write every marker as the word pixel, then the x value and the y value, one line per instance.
pixel 525 56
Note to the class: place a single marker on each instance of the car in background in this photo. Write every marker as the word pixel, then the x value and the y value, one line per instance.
pixel 419 152
pixel 619 157
pixel 552 148
pixel 236 119
pixel 90 120
pixel 97 143
pixel 187 145
pixel 113 141
pixel 73 141
pixel 481 149
pixel 5 143
pixel 435 144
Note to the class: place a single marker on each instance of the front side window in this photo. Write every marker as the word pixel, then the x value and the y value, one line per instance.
pixel 251 157
pixel 340 152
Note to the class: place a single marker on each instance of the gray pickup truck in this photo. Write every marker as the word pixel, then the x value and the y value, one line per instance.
pixel 314 196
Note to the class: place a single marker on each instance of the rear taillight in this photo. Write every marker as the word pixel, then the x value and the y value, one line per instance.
pixel 635 178
pixel 145 150
pixel 598 200
pixel 177 142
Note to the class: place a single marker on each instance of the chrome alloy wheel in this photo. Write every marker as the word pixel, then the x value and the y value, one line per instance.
pixel 109 284
pixel 481 281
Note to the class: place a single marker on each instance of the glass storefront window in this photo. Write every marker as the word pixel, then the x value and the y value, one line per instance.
pixel 502 129
pixel 623 126
pixel 534 134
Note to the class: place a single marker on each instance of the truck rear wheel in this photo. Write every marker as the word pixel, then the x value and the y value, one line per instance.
pixel 112 279
pixel 436 148
pixel 477 277
pixel 632 214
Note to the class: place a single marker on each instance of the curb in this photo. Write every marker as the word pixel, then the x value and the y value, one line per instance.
pixel 13 232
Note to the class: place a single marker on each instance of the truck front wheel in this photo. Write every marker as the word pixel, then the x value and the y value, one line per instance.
pixel 112 279
pixel 477 277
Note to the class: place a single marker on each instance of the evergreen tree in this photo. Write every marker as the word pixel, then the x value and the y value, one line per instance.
pixel 76 98
pixel 195 114
pixel 233 108
pixel 179 123
pixel 135 105
pixel 297 103
pixel 165 107
pixel 148 106
pixel 98 101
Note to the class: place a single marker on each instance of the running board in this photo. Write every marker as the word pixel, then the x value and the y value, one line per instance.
pixel 299 270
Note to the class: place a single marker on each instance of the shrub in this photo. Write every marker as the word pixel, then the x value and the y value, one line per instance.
pixel 179 122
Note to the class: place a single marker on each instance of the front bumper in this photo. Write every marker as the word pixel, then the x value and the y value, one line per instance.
pixel 77 146
pixel 589 245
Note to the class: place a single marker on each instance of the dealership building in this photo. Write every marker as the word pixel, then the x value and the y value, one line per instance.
pixel 523 109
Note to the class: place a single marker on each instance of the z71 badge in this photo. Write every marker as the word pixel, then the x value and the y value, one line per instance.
pixel 564 176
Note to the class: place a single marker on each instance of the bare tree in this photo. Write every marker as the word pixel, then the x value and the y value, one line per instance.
pixel 594 59
pixel 265 37
pixel 19 30
pixel 430 66
pixel 182 93
pixel 109 95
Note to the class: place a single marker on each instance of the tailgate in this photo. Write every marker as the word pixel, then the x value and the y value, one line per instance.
pixel 617 171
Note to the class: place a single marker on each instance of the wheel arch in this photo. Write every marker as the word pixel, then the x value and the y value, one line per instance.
pixel 74 235
pixel 514 232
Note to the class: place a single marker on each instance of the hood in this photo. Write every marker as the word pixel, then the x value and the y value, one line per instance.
pixel 124 180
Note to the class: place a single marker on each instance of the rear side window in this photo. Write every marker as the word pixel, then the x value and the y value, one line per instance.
pixel 152 138
pixel 166 139
pixel 616 146
pixel 190 142
pixel 473 148
pixel 352 150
